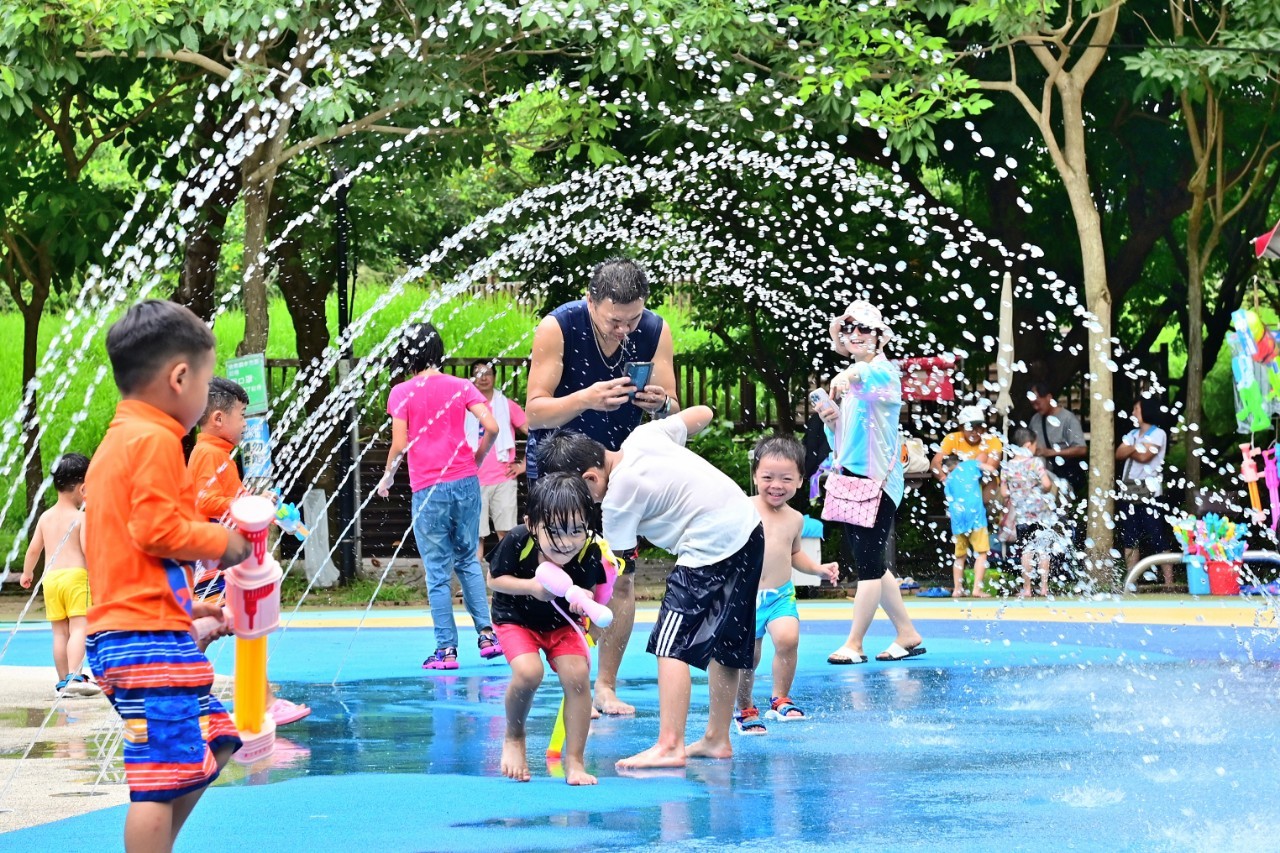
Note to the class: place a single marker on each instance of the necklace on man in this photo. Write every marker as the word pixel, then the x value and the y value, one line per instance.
pixel 622 351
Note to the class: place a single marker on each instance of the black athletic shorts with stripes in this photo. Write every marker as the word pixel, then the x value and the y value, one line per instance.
pixel 709 612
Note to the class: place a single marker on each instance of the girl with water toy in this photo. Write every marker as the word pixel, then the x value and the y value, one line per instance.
pixel 428 413
pixel 546 574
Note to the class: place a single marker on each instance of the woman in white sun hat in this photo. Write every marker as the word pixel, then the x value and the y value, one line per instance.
pixel 863 430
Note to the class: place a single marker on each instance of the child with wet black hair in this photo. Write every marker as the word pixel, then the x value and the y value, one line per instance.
pixel 530 620
pixel 777 469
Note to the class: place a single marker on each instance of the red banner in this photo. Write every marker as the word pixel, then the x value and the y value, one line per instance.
pixel 928 378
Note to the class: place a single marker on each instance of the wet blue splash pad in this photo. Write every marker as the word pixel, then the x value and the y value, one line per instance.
pixel 1011 735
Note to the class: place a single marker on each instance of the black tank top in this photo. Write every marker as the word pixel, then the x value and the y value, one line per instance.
pixel 584 366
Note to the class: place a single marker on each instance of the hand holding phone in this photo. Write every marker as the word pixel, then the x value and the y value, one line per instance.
pixel 824 406
pixel 639 373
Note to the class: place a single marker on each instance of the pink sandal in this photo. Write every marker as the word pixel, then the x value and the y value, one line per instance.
pixel 285 712
pixel 489 645
pixel 446 658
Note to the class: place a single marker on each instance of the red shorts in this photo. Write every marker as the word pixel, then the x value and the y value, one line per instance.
pixel 518 640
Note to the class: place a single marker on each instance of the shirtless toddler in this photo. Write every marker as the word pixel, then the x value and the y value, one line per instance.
pixel 59 534
pixel 778 463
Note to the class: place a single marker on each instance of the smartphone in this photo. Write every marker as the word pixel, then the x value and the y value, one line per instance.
pixel 639 372
pixel 818 398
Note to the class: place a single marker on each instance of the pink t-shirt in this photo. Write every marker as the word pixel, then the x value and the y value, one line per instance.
pixel 435 409
pixel 494 470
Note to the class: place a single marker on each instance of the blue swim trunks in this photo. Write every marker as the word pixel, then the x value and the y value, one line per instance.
pixel 774 604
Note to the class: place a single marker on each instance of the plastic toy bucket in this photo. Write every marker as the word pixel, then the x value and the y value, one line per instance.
pixel 1224 578
pixel 1197 576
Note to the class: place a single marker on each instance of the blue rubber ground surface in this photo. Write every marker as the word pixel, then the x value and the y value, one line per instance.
pixel 1017 736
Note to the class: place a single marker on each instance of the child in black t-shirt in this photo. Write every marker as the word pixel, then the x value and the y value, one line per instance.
pixel 529 619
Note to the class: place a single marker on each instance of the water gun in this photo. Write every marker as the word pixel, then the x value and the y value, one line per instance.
pixel 1272 476
pixel 253 598
pixel 556 580
pixel 289 520
pixel 1252 410
pixel 1249 473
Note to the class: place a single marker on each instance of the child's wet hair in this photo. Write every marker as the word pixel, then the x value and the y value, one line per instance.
pixel 950 461
pixel 781 446
pixel 421 347
pixel 558 502
pixel 223 395
pixel 150 335
pixel 1022 435
pixel 69 471
pixel 567 451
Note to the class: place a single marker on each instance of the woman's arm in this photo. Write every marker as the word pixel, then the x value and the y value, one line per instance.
pixel 399 441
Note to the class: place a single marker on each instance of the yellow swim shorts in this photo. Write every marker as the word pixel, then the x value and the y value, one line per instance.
pixel 975 541
pixel 66 594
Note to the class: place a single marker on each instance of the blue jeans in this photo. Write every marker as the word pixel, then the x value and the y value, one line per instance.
pixel 446 525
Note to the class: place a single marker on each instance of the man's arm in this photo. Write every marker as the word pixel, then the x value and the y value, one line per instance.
pixel 696 418
pixel 662 383
pixel 546 367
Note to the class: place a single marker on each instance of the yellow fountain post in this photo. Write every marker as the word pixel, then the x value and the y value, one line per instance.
pixel 253 597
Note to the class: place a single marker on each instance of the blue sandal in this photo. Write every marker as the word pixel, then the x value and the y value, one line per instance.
pixel 780 709
pixel 749 723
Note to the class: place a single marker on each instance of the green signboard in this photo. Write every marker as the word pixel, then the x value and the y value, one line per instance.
pixel 250 371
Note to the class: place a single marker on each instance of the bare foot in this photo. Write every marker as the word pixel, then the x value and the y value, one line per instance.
pixel 595 712
pixel 708 749
pixel 607 702
pixel 959 593
pixel 515 765
pixel 980 594
pixel 1044 593
pixel 909 641
pixel 576 774
pixel 655 756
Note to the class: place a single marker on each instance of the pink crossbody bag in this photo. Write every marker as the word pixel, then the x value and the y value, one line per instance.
pixel 852 500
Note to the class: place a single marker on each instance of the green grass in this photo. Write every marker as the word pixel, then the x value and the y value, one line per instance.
pixel 355 595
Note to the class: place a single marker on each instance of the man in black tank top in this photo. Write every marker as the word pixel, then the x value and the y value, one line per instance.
pixel 578 380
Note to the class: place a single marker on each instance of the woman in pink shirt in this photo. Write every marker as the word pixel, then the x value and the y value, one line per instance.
pixel 428 412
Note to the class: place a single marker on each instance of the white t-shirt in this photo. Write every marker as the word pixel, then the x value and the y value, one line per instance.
pixel 1150 440
pixel 674 498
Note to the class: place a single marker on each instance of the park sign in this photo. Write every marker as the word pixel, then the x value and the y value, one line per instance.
pixel 255 449
pixel 250 372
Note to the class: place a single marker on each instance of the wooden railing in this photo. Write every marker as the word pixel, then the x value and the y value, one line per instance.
pixel 738 400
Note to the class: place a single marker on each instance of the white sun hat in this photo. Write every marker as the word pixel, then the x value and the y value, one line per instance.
pixel 865 314
pixel 971 415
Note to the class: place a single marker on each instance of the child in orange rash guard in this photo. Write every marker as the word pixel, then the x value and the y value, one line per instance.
pixel 217 482
pixel 141 528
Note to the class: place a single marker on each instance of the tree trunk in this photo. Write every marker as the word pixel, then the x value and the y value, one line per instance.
pixel 259 176
pixel 1194 373
pixel 257 205
pixel 32 312
pixel 198 283
pixel 1099 563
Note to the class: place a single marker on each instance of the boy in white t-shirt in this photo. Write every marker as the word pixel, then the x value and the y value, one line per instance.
pixel 654 487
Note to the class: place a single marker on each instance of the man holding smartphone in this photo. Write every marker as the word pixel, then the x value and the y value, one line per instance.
pixel 579 379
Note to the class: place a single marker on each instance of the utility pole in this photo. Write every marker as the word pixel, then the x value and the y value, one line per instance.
pixel 346 449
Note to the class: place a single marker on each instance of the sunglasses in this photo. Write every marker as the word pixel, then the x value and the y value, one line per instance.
pixel 850 328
